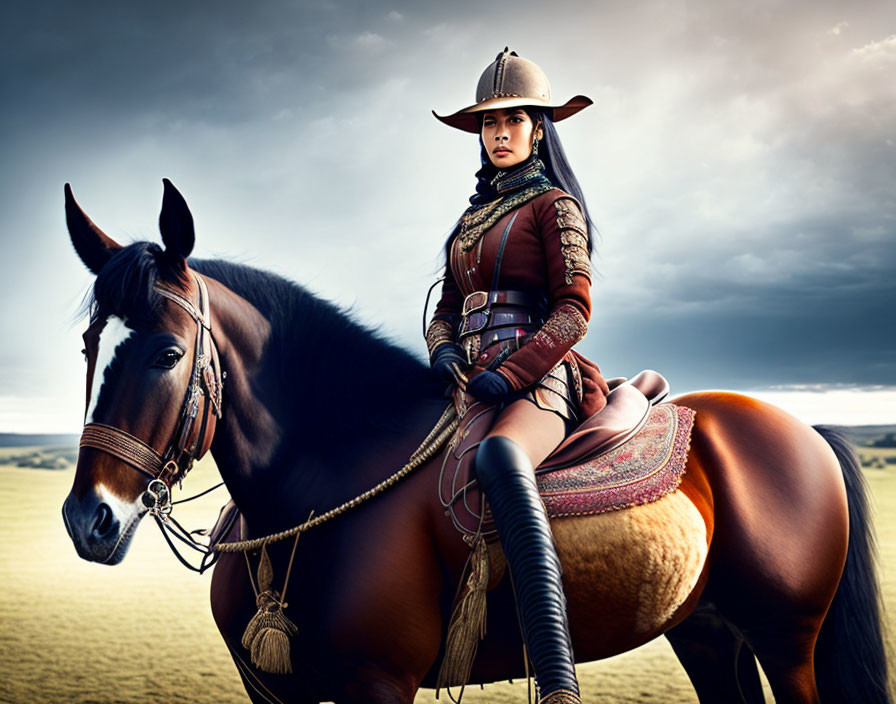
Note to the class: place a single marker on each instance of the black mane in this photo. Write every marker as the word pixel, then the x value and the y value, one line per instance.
pixel 320 359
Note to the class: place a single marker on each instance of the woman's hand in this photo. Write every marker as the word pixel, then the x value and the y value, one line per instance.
pixel 448 362
pixel 489 387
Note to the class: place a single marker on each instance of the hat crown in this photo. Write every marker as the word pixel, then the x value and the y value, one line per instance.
pixel 511 76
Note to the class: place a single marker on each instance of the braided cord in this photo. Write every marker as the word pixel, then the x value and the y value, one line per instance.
pixel 421 456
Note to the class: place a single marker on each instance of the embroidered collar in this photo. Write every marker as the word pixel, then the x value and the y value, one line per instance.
pixel 511 189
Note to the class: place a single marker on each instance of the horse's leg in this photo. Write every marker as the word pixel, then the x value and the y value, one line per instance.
pixel 257 691
pixel 788 664
pixel 229 592
pixel 720 666
pixel 372 686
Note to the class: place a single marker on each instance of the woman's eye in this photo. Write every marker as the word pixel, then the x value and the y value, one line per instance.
pixel 168 359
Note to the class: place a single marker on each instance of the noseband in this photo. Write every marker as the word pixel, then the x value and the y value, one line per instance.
pixel 195 429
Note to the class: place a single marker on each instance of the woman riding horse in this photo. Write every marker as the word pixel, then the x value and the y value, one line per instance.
pixel 763 554
pixel 515 299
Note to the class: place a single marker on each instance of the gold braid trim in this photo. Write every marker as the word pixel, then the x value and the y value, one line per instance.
pixel 563 328
pixel 573 238
pixel 438 333
pixel 477 219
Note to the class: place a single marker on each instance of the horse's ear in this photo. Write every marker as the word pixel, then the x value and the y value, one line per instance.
pixel 176 224
pixel 93 246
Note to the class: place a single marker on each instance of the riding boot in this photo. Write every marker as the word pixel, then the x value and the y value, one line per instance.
pixel 508 481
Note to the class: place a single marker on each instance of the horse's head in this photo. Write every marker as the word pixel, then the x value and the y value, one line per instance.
pixel 153 379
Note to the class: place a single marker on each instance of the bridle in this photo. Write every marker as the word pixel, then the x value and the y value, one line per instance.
pixel 195 426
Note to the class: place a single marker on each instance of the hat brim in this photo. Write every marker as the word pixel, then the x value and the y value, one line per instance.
pixel 467 121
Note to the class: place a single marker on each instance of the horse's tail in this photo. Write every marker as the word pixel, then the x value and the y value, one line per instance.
pixel 851 652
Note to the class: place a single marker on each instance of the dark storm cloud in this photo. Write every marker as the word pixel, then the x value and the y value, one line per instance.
pixel 739 162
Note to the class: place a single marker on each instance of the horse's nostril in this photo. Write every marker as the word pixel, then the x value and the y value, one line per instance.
pixel 102 523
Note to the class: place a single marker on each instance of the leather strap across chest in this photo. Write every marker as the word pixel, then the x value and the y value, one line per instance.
pixel 196 422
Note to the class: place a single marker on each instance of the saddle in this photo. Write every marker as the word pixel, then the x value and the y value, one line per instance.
pixel 628 409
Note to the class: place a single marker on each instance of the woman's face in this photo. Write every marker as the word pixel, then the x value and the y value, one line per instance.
pixel 507 136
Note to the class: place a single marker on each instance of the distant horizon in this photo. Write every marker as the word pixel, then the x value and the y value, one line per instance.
pixel 833 404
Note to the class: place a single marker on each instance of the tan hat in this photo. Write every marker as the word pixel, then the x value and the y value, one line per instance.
pixel 509 82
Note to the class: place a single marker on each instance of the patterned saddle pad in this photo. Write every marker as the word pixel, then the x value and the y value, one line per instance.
pixel 644 468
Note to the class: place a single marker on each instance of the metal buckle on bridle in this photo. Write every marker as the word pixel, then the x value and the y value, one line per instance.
pixel 157 498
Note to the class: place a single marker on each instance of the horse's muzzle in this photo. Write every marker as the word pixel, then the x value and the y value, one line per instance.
pixel 101 530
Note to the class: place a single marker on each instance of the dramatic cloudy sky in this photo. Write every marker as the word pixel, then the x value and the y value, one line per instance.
pixel 740 162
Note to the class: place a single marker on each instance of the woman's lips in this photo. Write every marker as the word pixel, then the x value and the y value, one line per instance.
pixel 498 152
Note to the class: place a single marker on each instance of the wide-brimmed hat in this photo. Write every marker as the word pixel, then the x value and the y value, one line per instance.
pixel 508 82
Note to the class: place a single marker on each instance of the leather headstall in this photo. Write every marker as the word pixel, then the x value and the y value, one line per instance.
pixel 196 424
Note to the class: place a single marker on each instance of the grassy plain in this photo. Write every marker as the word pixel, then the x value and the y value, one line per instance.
pixel 142 631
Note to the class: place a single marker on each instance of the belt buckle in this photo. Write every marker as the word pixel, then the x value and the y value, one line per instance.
pixel 476 301
pixel 475 313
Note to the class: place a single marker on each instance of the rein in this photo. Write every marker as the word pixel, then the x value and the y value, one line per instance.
pixel 442 430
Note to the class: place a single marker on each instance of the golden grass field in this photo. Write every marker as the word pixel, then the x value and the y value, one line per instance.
pixel 142 631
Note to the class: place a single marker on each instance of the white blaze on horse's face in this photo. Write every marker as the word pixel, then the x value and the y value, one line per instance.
pixel 128 515
pixel 113 334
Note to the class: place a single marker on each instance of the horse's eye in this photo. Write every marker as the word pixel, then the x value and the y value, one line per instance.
pixel 167 359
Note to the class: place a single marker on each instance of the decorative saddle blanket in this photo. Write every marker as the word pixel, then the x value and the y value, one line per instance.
pixel 639 467
pixel 644 468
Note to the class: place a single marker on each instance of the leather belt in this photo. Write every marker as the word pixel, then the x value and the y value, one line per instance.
pixel 481 299
pixel 485 310
pixel 490 317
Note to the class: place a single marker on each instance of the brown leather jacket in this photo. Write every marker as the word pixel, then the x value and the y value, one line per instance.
pixel 545 253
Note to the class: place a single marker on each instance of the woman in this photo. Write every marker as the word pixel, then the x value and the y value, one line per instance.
pixel 515 299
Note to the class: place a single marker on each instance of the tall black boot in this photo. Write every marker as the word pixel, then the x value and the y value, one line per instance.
pixel 508 480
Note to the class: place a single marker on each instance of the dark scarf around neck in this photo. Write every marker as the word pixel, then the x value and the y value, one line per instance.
pixel 498 193
pixel 493 183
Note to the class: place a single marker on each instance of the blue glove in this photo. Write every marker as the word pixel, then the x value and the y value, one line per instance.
pixel 448 363
pixel 489 387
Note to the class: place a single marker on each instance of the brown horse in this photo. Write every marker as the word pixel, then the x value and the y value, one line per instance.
pixel 763 554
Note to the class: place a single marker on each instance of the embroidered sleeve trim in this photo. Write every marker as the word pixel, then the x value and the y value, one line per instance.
pixel 573 239
pixel 438 333
pixel 563 328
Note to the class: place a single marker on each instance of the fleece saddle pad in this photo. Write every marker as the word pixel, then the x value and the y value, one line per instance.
pixel 644 468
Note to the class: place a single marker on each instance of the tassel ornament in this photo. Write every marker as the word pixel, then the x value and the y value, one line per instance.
pixel 467 625
pixel 267 635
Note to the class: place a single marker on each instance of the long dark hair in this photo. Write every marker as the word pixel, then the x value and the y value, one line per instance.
pixel 557 168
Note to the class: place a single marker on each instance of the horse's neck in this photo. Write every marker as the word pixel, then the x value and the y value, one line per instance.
pixel 278 460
